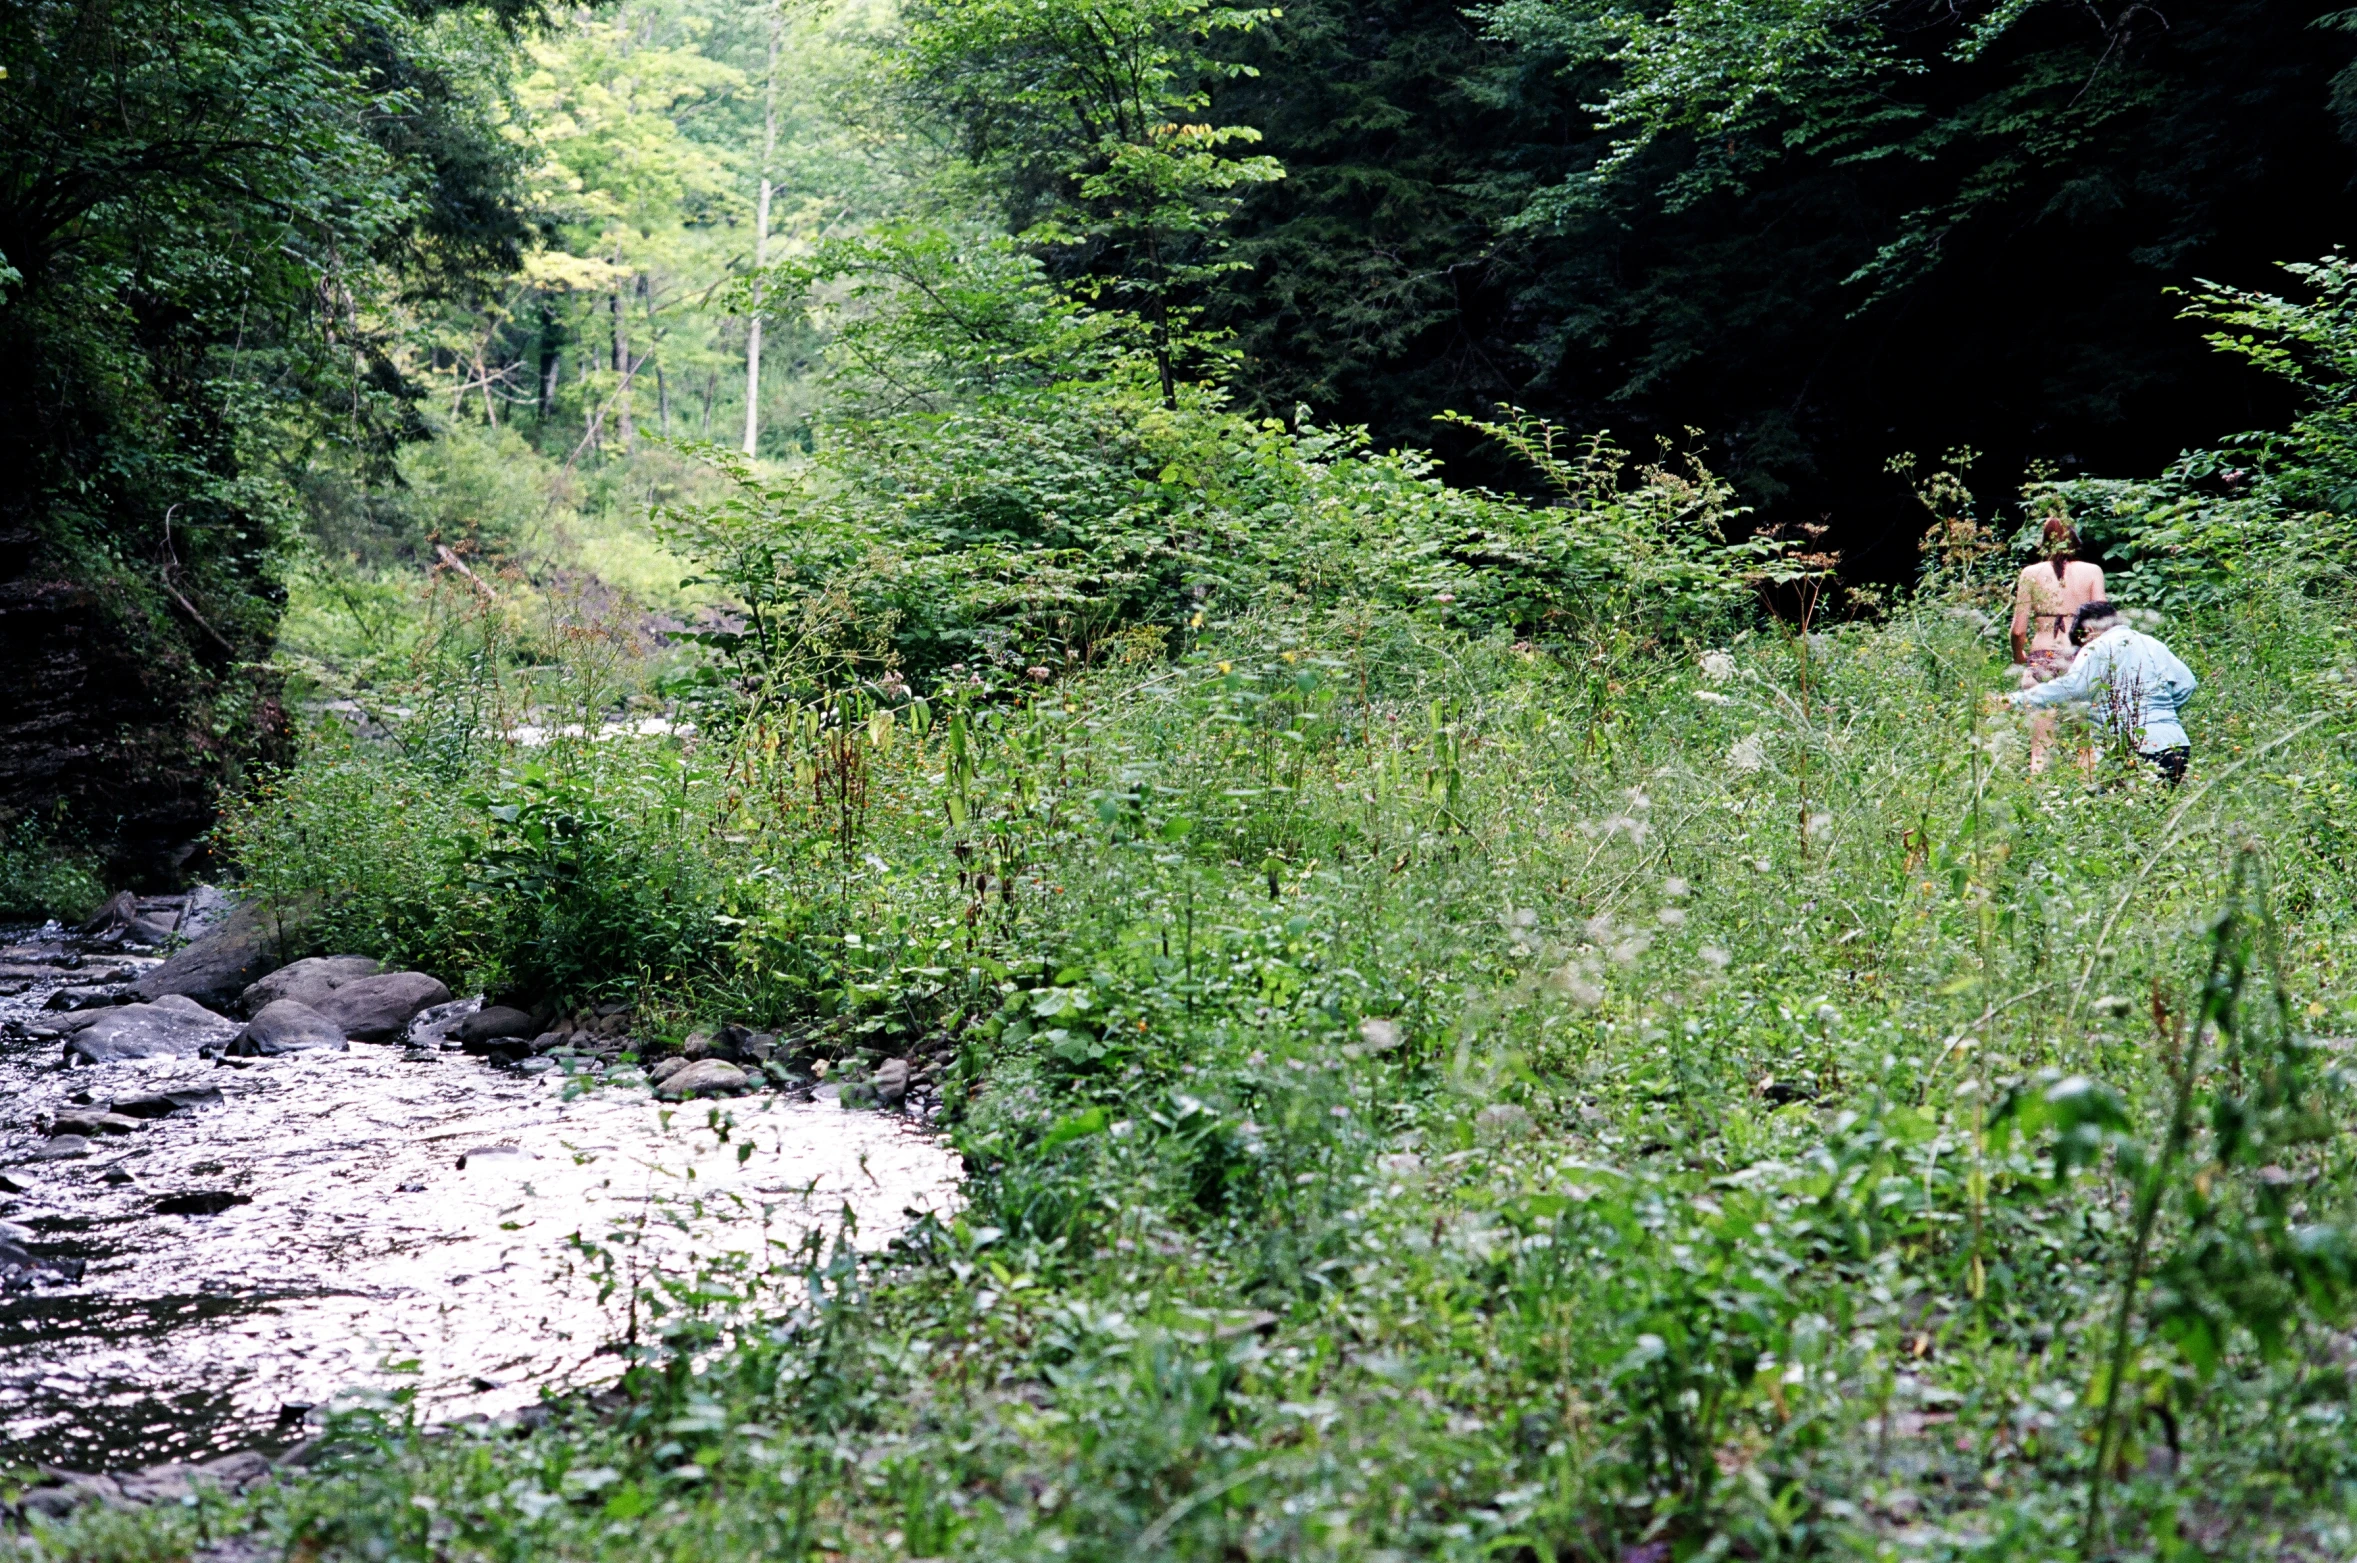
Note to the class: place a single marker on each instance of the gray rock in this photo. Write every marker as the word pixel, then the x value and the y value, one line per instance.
pixel 667 1068
pixel 704 1077
pixel 148 930
pixel 202 911
pixel 89 1123
pixel 253 939
pixel 306 982
pixel 379 1009
pixel 492 1024
pixel 174 1026
pixel 437 1025
pixel 65 1492
pixel 286 1026
pixel 163 1104
pixel 117 914
pixel 887 1087
pixel 16 1183
pixel 200 1202
pixel 71 999
pixel 20 1267
pixel 63 1147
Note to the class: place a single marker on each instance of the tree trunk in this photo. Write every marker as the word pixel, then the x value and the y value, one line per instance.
pixel 552 359
pixel 622 367
pixel 761 242
pixel 711 389
pixel 662 399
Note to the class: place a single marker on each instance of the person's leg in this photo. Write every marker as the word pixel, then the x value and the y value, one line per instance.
pixel 2037 671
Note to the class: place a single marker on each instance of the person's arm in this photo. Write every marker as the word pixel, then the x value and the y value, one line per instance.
pixel 2021 618
pixel 2075 686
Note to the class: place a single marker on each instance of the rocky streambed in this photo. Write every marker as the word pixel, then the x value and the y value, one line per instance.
pixel 197 1253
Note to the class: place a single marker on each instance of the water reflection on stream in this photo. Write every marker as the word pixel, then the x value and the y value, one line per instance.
pixel 364 1244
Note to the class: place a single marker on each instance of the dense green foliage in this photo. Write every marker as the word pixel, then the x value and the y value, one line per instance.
pixel 200 210
pixel 1824 232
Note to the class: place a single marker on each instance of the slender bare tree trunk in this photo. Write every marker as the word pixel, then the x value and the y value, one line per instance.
pixel 622 366
pixel 551 360
pixel 761 242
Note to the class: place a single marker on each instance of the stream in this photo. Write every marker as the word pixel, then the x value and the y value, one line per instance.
pixel 384 1217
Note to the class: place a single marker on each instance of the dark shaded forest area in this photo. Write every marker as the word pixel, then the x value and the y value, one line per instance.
pixel 1986 252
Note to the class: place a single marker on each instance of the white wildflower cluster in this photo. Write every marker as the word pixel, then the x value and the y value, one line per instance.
pixel 1630 824
pixel 1717 667
pixel 1749 754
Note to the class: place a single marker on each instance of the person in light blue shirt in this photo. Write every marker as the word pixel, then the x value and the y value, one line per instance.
pixel 2132 685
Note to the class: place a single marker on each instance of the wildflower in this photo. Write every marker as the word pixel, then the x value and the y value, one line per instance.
pixel 1379 1036
pixel 1749 755
pixel 1819 824
pixel 1039 675
pixel 1444 596
pixel 1227 667
pixel 1718 666
pixel 1716 957
pixel 1675 888
pixel 1672 917
pixel 1567 981
pixel 1626 952
pixel 1712 697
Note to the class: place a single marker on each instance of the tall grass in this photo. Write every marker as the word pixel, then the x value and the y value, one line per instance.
pixel 1424 1098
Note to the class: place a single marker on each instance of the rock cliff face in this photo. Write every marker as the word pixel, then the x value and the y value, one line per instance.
pixel 116 719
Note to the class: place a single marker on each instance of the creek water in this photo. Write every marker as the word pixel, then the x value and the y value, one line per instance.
pixel 360 1253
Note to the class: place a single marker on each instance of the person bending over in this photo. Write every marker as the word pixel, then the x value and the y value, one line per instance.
pixel 2046 598
pixel 2132 684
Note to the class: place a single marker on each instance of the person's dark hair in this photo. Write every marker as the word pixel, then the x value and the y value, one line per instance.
pixel 2059 528
pixel 2087 617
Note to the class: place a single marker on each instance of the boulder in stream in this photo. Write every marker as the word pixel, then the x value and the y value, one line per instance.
pixel 20 1268
pixel 163 1104
pixel 90 1122
pixel 305 981
pixel 286 1026
pixel 173 1026
pixel 200 1202
pixel 705 1077
pixel 498 1022
pixel 379 1009
pixel 253 939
